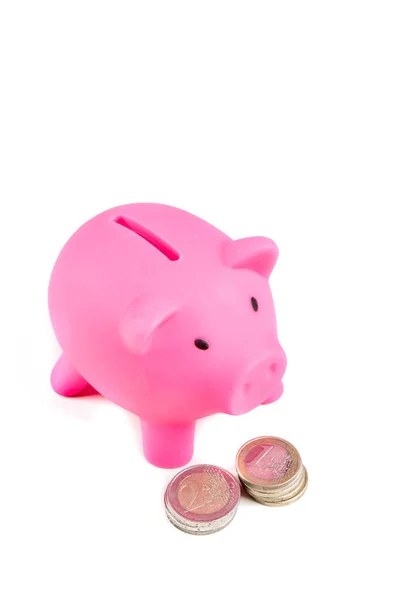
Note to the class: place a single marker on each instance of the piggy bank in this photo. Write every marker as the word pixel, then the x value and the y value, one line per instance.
pixel 169 318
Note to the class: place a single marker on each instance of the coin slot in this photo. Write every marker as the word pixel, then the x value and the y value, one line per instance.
pixel 150 236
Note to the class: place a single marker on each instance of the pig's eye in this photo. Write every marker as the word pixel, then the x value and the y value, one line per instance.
pixel 201 344
pixel 254 303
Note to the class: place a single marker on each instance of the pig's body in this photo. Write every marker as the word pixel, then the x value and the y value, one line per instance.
pixel 166 316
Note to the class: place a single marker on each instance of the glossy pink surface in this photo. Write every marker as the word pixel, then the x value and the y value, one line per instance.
pixel 131 292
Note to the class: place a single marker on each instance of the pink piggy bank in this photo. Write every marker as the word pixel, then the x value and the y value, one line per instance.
pixel 169 318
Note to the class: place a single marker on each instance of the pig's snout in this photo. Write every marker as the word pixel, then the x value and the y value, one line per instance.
pixel 259 385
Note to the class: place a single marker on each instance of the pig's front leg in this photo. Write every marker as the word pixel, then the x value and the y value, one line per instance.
pixel 65 379
pixel 168 446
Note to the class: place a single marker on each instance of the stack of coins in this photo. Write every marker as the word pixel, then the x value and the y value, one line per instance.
pixel 271 471
pixel 202 499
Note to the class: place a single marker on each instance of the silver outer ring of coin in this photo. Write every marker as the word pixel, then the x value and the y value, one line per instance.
pixel 286 500
pixel 285 493
pixel 281 493
pixel 211 526
pixel 288 490
pixel 196 526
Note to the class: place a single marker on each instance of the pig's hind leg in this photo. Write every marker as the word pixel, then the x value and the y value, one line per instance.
pixel 168 445
pixel 66 380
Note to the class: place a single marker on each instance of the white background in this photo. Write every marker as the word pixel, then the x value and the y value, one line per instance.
pixel 265 118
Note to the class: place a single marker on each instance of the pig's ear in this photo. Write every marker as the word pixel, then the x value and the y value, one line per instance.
pixel 258 254
pixel 143 317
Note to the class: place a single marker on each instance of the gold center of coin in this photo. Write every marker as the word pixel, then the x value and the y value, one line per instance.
pixel 203 493
pixel 269 462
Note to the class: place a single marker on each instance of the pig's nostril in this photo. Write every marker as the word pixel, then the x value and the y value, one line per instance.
pixel 201 344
